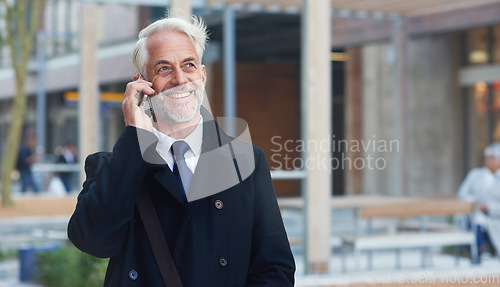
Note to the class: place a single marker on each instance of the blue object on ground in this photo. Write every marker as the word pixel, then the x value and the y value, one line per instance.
pixel 28 260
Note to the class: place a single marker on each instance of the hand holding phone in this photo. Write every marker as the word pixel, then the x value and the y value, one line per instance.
pixel 135 95
pixel 141 98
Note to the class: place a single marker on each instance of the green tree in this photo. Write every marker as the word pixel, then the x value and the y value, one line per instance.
pixel 21 19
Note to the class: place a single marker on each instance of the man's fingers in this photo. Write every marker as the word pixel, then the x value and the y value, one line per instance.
pixel 138 78
pixel 133 88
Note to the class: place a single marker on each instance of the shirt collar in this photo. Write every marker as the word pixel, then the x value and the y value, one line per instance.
pixel 194 140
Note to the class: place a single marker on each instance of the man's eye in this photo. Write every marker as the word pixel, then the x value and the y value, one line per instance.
pixel 189 67
pixel 163 69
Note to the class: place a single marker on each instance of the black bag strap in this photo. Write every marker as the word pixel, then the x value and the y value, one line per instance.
pixel 157 240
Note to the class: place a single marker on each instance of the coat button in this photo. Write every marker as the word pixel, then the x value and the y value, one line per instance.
pixel 219 204
pixel 133 275
pixel 222 261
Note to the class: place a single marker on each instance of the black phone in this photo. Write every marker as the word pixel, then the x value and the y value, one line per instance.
pixel 140 97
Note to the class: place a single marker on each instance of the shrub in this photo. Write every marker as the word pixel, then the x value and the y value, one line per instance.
pixel 70 267
pixel 7 253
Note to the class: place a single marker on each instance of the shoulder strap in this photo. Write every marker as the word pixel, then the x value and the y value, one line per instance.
pixel 157 240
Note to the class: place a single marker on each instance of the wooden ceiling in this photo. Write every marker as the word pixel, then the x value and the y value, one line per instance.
pixel 405 8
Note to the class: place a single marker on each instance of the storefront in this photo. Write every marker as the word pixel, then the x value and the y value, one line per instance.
pixel 480 83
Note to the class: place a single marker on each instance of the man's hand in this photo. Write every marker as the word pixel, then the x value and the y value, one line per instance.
pixel 133 113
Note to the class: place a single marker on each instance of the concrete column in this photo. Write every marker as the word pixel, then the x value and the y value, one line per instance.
pixel 433 107
pixel 353 118
pixel 378 119
pixel 399 106
pixel 41 95
pixel 88 118
pixel 432 148
pixel 316 129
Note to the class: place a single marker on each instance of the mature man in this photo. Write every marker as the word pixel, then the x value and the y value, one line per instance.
pixel 227 233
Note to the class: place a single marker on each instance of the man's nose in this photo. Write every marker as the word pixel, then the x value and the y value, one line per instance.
pixel 179 78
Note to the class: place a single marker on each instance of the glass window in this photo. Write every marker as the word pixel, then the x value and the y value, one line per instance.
pixel 482 100
pixel 495 109
pixel 496 44
pixel 478 122
pixel 477 46
pixel 483 124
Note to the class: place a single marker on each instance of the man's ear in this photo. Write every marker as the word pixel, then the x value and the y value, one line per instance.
pixel 136 77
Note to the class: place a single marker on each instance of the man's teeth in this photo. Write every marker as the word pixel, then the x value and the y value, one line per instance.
pixel 181 95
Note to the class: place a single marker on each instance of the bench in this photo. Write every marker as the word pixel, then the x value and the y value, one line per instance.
pixel 421 236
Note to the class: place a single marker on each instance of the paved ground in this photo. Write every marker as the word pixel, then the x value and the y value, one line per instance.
pixel 442 272
pixel 31 214
pixel 31 205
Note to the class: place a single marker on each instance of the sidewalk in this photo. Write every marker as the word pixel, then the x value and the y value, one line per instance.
pixel 441 269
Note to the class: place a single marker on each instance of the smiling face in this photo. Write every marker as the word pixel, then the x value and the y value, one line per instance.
pixel 175 70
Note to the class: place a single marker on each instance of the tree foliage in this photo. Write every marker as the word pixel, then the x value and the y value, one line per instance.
pixel 21 19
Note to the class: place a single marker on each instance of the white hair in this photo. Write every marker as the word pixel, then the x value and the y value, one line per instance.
pixel 194 27
pixel 493 150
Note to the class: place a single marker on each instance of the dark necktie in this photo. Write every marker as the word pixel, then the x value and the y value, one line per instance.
pixel 181 171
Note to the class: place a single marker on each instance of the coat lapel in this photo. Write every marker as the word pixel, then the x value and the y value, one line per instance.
pixel 167 180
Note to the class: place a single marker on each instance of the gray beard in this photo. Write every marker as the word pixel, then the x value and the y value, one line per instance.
pixel 171 113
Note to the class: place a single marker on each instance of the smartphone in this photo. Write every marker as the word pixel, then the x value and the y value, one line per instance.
pixel 141 98
pixel 147 108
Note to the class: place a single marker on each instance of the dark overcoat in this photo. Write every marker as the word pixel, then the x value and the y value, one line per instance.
pixel 232 238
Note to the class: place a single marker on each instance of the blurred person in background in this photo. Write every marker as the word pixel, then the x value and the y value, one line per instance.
pixel 476 188
pixel 68 156
pixel 26 158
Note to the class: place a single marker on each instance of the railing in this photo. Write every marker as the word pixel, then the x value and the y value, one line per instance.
pixel 56 167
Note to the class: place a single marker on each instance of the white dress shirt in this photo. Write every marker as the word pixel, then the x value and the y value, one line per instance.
pixel 68 156
pixel 193 140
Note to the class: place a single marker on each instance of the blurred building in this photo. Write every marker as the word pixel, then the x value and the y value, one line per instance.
pixel 450 81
